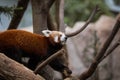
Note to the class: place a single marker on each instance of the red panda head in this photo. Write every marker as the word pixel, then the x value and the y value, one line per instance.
pixel 55 36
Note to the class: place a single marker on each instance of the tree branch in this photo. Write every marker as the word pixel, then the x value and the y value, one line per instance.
pixel 18 14
pixel 108 41
pixel 98 57
pixel 11 70
pixel 112 48
pixel 86 24
pixel 48 60
pixel 50 23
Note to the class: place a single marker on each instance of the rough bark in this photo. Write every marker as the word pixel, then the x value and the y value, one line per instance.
pixel 11 70
pixel 40 12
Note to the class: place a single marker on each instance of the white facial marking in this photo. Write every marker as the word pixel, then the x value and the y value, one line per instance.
pixel 47 32
pixel 63 38
pixel 56 39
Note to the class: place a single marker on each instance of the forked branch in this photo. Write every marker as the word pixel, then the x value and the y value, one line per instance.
pixel 108 41
pixel 86 24
pixel 111 49
pixel 102 52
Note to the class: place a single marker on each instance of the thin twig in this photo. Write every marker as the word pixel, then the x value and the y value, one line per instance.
pixel 48 60
pixel 86 24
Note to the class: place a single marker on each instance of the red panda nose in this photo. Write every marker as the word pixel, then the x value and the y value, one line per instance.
pixel 66 37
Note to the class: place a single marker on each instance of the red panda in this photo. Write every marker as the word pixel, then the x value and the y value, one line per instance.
pixel 18 43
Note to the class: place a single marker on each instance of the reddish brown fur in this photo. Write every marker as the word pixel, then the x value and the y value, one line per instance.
pixel 33 46
pixel 29 42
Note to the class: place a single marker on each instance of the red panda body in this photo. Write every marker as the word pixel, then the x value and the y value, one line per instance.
pixel 18 43
pixel 26 41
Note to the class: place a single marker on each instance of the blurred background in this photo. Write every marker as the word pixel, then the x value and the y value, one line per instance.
pixel 83 47
pixel 75 10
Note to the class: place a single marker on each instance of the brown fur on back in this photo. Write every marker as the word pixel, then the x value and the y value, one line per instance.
pixel 23 40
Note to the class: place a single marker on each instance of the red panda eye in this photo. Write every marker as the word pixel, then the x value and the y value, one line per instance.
pixel 60 35
pixel 47 32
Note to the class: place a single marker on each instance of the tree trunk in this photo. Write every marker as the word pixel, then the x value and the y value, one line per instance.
pixel 40 12
pixel 39 15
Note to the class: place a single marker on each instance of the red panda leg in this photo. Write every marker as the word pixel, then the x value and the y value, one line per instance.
pixel 33 62
pixel 58 66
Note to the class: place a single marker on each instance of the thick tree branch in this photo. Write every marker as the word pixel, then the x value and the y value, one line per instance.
pixel 11 70
pixel 85 25
pixel 18 14
pixel 99 56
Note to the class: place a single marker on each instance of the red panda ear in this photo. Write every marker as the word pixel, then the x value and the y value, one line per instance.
pixel 46 33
